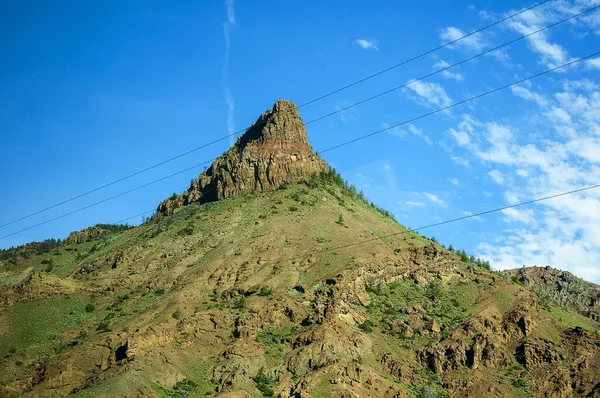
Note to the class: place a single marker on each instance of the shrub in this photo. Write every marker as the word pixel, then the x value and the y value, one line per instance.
pixel 176 314
pixel 366 326
pixel 189 230
pixel 90 308
pixel 265 291
pixel 239 303
pixel 264 383
pixel 103 326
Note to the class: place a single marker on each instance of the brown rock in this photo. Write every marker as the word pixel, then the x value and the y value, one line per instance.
pixel 274 150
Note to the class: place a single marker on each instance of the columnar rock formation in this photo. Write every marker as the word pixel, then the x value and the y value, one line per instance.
pixel 274 150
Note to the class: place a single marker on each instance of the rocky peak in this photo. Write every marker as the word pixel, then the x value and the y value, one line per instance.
pixel 274 150
pixel 282 125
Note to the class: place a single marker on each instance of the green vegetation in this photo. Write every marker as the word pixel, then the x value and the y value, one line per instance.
pixel 39 324
pixel 570 318
pixel 271 337
pixel 447 305
pixel 265 384
pixel 504 300
pixel 520 378
pixel 266 291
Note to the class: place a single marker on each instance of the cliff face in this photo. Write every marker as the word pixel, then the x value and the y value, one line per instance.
pixel 274 150
pixel 561 288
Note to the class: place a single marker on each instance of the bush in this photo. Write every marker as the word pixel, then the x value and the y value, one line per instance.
pixel 176 314
pixel 103 326
pixel 90 308
pixel 366 326
pixel 266 291
pixel 264 383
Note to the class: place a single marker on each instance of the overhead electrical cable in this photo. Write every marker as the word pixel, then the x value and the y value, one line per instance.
pixel 573 62
pixel 151 167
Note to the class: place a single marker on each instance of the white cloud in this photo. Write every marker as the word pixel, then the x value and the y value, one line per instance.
pixel 523 216
pixel 367 44
pixel 418 132
pixel 435 199
pixel 528 95
pixel 412 129
pixel 461 137
pixel 468 213
pixel 414 204
pixel 430 93
pixel 454 181
pixel 473 43
pixel 557 151
pixel 447 73
pixel 497 176
pixel 460 160
pixel 387 167
pixel 593 63
pixel 551 54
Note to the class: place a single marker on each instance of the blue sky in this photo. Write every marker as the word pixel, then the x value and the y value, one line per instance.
pixel 92 92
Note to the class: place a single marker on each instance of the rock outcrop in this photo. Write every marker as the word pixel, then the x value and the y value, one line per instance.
pixel 85 235
pixel 561 288
pixel 274 150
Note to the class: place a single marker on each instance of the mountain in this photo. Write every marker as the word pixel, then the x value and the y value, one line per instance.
pixel 271 276
pixel 273 151
pixel 560 288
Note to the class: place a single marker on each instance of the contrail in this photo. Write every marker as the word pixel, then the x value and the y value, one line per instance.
pixel 227 29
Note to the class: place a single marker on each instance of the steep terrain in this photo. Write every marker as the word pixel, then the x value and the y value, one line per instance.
pixel 295 288
pixel 273 151
pixel 560 288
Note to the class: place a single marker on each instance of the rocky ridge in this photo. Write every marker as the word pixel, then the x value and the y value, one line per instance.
pixel 561 288
pixel 273 151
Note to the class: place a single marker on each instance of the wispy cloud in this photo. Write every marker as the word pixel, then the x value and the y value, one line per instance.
pixel 230 114
pixel 228 26
pixel 474 43
pixel 367 44
pixel 347 115
pixel 435 199
pixel 414 204
pixel 447 73
pixel 454 181
pixel 497 177
pixel 593 63
pixel 429 93
pixel 412 130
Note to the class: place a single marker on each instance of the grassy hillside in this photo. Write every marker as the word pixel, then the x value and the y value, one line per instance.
pixel 270 294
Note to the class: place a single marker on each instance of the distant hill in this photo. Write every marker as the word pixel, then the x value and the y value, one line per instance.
pixel 561 288
pixel 271 276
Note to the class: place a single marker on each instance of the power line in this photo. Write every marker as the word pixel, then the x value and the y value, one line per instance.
pixel 335 146
pixel 453 65
pixel 242 130
pixel 422 54
pixel 437 224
